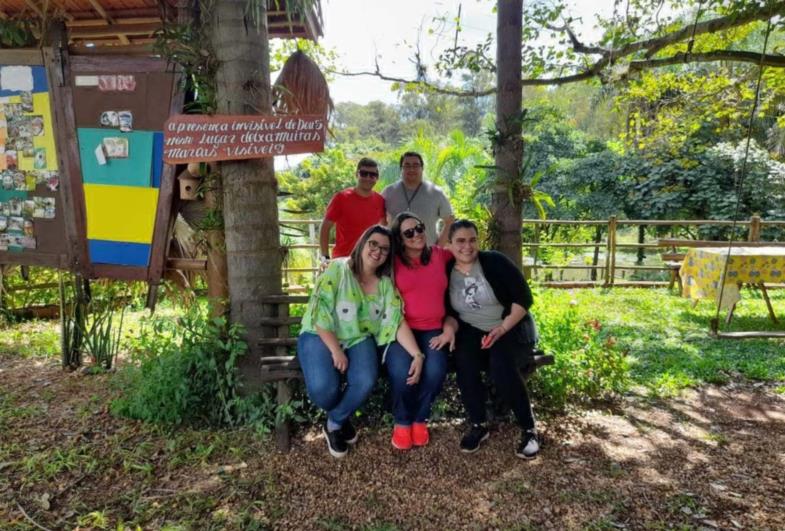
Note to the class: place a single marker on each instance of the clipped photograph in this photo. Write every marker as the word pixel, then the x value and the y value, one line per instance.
pixel 39 158
pixel 116 147
pixel 49 208
pixel 16 224
pixel 37 125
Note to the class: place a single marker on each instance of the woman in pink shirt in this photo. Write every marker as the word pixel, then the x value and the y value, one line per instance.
pixel 420 274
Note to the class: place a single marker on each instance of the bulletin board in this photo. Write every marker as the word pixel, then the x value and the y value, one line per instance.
pixel 83 185
pixel 32 221
pixel 119 109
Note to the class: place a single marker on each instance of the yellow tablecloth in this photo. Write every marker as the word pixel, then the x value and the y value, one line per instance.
pixel 703 267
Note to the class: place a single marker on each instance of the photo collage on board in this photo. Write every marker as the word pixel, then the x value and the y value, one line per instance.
pixel 28 161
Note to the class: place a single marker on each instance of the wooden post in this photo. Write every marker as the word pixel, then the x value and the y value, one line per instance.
pixel 535 253
pixel 312 238
pixel 284 390
pixel 610 258
pixel 755 226
pixel 217 284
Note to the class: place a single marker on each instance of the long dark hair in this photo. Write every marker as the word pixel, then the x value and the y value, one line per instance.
pixel 356 258
pixel 400 251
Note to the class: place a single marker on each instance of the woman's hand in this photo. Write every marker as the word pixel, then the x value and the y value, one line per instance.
pixel 447 337
pixel 415 369
pixel 340 361
pixel 491 337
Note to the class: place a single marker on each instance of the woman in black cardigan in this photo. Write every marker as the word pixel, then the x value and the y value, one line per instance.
pixel 490 298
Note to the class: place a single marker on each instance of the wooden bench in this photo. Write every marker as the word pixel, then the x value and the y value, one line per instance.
pixel 673 262
pixel 278 365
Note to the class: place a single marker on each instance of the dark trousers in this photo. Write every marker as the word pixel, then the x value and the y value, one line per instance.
pixel 500 361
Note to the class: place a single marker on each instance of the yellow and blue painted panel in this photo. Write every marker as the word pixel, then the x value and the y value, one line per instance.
pixel 121 197
pixel 133 170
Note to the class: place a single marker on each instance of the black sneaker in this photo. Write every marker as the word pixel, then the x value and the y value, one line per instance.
pixel 335 442
pixel 472 440
pixel 529 446
pixel 348 433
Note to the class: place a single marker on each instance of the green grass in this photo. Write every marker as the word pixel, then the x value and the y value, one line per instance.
pixel 667 340
pixel 31 339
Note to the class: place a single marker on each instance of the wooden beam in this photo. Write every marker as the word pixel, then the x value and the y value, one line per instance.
pixel 64 10
pixel 678 242
pixel 131 49
pixel 119 22
pixel 101 11
pixel 35 8
pixel 112 31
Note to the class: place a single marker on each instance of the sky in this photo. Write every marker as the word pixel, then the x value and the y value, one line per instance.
pixel 360 30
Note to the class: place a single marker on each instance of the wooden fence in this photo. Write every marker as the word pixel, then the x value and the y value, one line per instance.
pixel 606 267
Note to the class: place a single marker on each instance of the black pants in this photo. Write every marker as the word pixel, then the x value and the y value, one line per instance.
pixel 500 362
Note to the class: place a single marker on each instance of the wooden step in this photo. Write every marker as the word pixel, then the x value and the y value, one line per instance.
pixel 272 361
pixel 284 299
pixel 275 376
pixel 280 321
pixel 277 342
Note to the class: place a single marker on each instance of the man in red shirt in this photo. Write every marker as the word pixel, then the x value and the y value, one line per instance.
pixel 352 211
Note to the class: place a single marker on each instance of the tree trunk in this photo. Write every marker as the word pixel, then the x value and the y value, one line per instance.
pixel 596 257
pixel 253 253
pixel 507 201
pixel 641 239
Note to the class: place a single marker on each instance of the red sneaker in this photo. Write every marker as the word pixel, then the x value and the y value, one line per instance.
pixel 402 437
pixel 420 435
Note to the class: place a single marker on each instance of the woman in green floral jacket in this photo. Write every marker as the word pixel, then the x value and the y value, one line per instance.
pixel 353 311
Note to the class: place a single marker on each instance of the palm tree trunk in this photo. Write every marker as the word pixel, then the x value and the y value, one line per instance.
pixel 249 187
pixel 506 203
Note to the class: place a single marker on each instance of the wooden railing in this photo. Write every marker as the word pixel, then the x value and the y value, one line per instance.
pixel 609 269
pixel 606 271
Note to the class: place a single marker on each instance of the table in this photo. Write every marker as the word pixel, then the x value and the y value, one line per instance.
pixel 703 273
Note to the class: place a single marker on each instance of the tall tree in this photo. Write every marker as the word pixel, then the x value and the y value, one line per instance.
pixel 639 40
pixel 249 187
pixel 507 200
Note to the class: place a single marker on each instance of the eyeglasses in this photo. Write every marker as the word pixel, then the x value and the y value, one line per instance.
pixel 411 166
pixel 373 245
pixel 366 173
pixel 409 233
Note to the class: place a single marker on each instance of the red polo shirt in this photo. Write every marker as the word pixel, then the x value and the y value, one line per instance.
pixel 352 214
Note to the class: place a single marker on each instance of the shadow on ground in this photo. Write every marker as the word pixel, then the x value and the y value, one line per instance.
pixel 711 458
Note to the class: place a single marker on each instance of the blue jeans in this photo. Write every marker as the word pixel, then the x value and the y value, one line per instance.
pixel 323 381
pixel 412 403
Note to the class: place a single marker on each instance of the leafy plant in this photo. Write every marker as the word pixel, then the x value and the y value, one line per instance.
pixel 588 364
pixel 16 33
pixel 185 371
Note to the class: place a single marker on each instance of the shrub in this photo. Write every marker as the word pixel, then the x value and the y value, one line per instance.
pixel 185 372
pixel 588 363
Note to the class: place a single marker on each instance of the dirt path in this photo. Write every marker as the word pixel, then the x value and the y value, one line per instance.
pixel 713 458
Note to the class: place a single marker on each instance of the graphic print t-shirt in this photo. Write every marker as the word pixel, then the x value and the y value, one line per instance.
pixel 472 297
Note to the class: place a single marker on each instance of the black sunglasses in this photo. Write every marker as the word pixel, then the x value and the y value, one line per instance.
pixel 409 233
pixel 366 173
